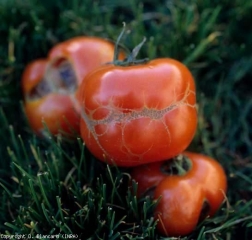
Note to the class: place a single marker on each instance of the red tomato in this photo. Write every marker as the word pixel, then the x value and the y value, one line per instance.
pixel 185 199
pixel 49 85
pixel 138 114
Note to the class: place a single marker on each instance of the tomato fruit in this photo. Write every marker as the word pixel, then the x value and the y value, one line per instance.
pixel 188 196
pixel 140 113
pixel 50 85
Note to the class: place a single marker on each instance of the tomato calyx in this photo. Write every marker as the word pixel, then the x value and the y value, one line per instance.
pixel 178 165
pixel 131 58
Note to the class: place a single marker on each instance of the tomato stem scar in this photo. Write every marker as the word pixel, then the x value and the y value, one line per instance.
pixel 178 165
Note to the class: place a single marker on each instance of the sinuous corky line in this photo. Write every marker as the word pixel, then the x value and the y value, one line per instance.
pixel 119 115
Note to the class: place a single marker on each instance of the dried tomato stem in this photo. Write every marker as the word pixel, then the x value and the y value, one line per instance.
pixel 179 165
pixel 116 51
pixel 131 58
pixel 135 51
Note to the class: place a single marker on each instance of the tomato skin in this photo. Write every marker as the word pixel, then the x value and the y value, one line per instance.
pixel 179 208
pixel 58 109
pixel 138 114
pixel 182 197
pixel 212 177
pixel 33 73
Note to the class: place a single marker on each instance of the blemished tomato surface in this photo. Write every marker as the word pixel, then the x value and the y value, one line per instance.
pixel 49 85
pixel 185 199
pixel 45 107
pixel 138 114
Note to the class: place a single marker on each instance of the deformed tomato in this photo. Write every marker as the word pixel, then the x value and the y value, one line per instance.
pixel 190 187
pixel 140 113
pixel 49 85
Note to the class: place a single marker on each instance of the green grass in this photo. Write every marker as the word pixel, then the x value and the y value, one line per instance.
pixel 55 186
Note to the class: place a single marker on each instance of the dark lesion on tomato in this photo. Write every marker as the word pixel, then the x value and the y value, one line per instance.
pixel 59 77
pixel 205 209
pixel 40 90
pixel 67 76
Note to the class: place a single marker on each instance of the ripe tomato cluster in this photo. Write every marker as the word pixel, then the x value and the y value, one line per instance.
pixel 129 114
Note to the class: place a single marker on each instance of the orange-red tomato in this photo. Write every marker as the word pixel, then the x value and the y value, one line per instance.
pixel 137 114
pixel 49 85
pixel 185 199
